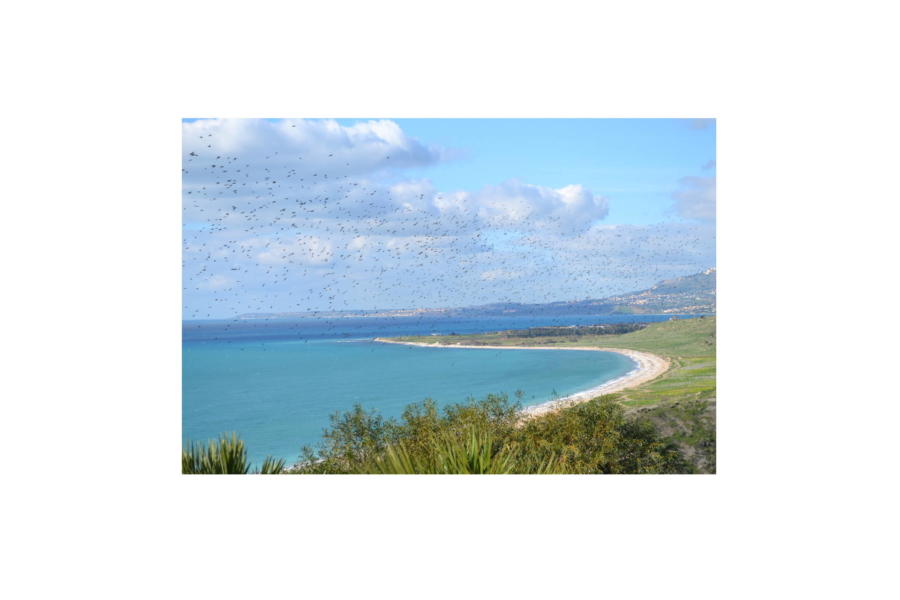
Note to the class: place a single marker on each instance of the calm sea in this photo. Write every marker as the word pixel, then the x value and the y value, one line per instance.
pixel 276 382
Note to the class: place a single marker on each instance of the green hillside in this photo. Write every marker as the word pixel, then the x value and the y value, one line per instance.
pixel 690 345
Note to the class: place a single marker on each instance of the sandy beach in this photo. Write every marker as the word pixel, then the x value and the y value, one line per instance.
pixel 648 367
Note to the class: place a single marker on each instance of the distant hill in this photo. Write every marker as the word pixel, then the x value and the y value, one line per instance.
pixel 689 295
pixel 692 294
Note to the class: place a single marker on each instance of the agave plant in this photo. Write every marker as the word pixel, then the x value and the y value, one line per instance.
pixel 271 466
pixel 472 453
pixel 226 455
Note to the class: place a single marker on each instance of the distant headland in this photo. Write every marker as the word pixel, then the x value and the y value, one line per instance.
pixel 689 295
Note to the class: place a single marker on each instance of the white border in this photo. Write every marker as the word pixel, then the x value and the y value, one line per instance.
pixel 801 506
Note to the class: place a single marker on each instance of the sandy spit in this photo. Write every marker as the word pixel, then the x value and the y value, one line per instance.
pixel 648 367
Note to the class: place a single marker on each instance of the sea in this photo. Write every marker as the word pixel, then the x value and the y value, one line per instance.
pixel 276 382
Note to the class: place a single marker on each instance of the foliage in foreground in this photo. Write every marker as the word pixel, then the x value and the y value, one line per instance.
pixel 488 437
pixel 598 437
pixel 226 455
pixel 472 452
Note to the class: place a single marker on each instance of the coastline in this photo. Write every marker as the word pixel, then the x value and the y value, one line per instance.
pixel 647 367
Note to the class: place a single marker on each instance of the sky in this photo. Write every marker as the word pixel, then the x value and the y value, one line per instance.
pixel 300 215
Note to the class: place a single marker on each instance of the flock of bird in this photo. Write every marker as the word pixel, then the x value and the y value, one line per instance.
pixel 306 234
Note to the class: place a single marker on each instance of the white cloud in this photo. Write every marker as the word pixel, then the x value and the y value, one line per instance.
pixel 450 203
pixel 517 206
pixel 414 196
pixel 360 242
pixel 309 147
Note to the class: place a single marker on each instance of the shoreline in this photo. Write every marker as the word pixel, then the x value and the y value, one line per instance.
pixel 647 368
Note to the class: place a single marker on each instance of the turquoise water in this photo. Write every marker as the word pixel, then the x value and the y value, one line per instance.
pixel 278 393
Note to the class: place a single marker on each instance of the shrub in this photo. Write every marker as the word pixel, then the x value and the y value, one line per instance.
pixel 597 437
pixel 489 436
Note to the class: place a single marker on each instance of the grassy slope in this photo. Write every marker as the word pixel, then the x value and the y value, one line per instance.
pixel 690 344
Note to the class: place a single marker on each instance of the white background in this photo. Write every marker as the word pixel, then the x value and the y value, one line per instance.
pixel 804 504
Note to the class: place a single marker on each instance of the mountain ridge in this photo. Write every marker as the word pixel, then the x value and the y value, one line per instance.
pixel 689 294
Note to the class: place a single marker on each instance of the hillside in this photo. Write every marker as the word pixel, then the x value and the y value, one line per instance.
pixel 693 294
pixel 690 344
pixel 689 295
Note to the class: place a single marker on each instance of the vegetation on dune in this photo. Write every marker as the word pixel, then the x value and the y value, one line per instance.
pixel 572 330
pixel 488 436
pixel 678 337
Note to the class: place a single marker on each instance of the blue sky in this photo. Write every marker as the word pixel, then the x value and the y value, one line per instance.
pixel 635 161
pixel 297 215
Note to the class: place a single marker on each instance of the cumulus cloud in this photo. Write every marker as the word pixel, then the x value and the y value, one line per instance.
pixel 514 205
pixel 307 146
pixel 696 198
pixel 359 242
pixel 301 173
pixel 414 196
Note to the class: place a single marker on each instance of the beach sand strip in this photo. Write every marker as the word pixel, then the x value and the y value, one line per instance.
pixel 647 368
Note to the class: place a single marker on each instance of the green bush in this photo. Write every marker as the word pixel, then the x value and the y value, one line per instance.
pixel 485 437
pixel 489 437
pixel 597 437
